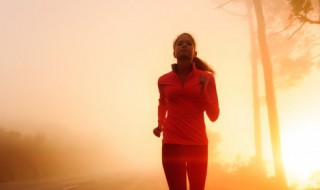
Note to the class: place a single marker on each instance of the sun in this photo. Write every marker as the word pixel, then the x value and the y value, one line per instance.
pixel 301 152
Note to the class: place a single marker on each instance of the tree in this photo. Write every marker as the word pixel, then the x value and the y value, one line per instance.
pixel 254 65
pixel 270 98
pixel 289 56
pixel 255 87
pixel 292 50
pixel 307 11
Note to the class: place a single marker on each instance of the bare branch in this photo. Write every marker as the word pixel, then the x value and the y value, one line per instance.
pixel 285 28
pixel 224 4
pixel 305 19
pixel 297 30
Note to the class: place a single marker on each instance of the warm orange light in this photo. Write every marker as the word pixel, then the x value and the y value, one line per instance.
pixel 301 152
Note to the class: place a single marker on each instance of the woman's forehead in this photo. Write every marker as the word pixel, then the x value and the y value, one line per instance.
pixel 185 37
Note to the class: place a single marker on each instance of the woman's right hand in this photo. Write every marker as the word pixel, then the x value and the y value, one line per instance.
pixel 203 82
pixel 157 131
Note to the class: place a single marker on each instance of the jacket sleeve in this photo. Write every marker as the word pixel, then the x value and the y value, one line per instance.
pixel 211 103
pixel 162 107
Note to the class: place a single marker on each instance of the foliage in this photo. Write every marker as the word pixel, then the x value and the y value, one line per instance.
pixel 291 49
pixel 301 7
pixel 305 10
pixel 17 153
pixel 32 157
pixel 240 175
pixel 292 59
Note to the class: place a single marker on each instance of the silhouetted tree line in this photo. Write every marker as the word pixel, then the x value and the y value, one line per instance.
pixel 25 157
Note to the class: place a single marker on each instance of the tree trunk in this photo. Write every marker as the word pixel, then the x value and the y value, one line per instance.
pixel 255 89
pixel 270 98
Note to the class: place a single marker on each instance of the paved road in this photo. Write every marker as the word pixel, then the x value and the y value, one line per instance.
pixel 92 182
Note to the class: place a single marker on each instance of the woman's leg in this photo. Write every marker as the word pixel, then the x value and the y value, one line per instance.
pixel 197 166
pixel 174 166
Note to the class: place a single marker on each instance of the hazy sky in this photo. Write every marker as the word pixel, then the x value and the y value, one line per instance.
pixel 90 69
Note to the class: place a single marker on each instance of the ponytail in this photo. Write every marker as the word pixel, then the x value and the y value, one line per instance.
pixel 202 65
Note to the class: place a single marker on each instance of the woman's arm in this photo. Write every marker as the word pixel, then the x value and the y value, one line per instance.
pixel 211 103
pixel 162 106
pixel 162 111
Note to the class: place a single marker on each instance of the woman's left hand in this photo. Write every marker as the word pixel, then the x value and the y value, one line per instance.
pixel 157 131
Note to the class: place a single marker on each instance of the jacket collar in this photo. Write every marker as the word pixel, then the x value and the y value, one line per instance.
pixel 174 67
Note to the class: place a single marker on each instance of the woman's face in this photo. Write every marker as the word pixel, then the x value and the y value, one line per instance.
pixel 184 48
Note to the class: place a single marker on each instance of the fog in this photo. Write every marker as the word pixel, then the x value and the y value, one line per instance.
pixel 86 74
pixel 83 75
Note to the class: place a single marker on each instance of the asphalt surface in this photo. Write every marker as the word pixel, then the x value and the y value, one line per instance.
pixel 92 182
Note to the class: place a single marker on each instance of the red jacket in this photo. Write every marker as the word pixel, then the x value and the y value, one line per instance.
pixel 182 106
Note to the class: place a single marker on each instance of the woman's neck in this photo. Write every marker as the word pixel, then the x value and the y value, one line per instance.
pixel 184 68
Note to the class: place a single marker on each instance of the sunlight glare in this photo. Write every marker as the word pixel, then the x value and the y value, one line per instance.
pixel 301 152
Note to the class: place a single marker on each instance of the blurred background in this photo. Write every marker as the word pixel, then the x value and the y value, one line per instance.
pixel 79 85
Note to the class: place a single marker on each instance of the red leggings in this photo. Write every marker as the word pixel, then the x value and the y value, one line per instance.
pixel 182 161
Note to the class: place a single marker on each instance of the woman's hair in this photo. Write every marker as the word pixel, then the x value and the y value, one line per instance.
pixel 200 64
